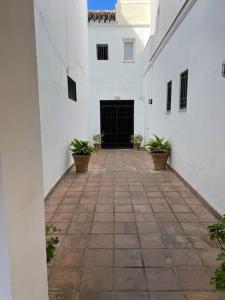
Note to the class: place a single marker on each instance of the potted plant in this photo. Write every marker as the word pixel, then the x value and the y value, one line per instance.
pixel 160 150
pixel 217 233
pixel 97 138
pixel 136 140
pixel 81 151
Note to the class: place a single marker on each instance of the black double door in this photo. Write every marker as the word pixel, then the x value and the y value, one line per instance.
pixel 117 123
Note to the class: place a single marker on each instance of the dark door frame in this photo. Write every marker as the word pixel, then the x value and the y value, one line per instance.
pixel 125 143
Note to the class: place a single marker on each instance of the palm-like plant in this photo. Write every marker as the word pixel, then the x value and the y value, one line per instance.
pixel 136 139
pixel 97 138
pixel 158 145
pixel 79 147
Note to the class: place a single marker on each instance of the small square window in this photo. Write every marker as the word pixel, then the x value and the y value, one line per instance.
pixel 183 89
pixel 128 50
pixel 72 89
pixel 102 52
pixel 169 96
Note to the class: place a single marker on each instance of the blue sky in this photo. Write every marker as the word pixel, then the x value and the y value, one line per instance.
pixel 101 4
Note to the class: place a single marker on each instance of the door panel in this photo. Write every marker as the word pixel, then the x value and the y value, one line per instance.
pixel 117 123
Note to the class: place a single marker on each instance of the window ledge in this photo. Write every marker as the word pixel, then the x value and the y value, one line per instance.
pixel 128 61
pixel 168 112
pixel 182 109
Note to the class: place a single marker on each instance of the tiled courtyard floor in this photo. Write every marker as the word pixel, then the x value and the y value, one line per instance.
pixel 129 233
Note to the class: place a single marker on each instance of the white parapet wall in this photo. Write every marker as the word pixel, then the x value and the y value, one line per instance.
pixel 197 134
pixel 133 12
pixel 62 47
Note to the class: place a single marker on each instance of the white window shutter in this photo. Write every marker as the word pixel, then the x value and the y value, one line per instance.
pixel 128 50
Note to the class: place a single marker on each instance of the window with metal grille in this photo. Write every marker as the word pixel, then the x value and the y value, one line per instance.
pixel 183 89
pixel 72 89
pixel 102 52
pixel 169 96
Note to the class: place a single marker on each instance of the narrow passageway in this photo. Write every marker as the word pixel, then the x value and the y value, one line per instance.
pixel 128 232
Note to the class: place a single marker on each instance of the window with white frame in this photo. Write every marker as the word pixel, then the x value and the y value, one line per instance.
pixel 128 49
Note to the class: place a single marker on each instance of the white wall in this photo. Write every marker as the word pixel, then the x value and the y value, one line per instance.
pixel 197 135
pixel 163 13
pixel 133 12
pixel 113 77
pixel 5 280
pixel 21 158
pixel 62 42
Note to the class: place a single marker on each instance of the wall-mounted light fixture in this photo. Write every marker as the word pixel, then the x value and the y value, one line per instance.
pixel 149 101
pixel 223 69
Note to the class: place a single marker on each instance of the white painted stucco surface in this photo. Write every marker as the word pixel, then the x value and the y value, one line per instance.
pixel 62 44
pixel 133 12
pixel 114 77
pixel 21 157
pixel 5 280
pixel 163 12
pixel 197 134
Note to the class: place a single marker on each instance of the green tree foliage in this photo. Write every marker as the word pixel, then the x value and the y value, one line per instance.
pixel 217 232
pixel 51 241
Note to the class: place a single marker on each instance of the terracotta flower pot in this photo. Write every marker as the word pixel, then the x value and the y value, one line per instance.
pixel 136 146
pixel 97 146
pixel 81 163
pixel 160 160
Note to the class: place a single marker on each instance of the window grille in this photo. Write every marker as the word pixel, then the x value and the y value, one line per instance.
pixel 72 89
pixel 183 89
pixel 102 52
pixel 169 96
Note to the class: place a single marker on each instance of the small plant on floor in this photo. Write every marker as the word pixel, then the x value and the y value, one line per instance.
pixel 160 150
pixel 217 232
pixel 136 140
pixel 51 242
pixel 81 151
pixel 97 138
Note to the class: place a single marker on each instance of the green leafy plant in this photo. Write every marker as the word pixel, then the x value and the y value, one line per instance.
pixel 217 233
pixel 97 138
pixel 79 147
pixel 158 145
pixel 136 139
pixel 51 241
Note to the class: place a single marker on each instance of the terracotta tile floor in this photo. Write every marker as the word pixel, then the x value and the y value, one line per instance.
pixel 129 233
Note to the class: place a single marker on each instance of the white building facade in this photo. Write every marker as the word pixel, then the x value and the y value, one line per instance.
pixel 173 82
pixel 41 44
pixel 62 50
pixel 181 64
pixel 118 76
pixel 191 39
